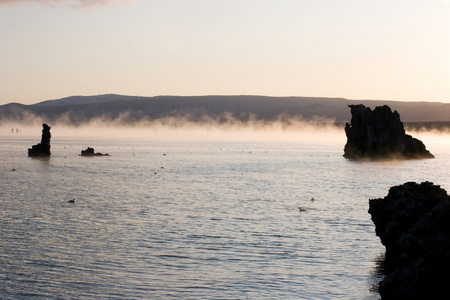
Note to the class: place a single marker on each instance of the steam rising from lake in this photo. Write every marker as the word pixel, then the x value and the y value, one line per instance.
pixel 186 127
pixel 224 127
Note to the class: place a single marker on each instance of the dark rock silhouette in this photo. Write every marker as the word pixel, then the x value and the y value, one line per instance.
pixel 413 223
pixel 43 148
pixel 90 152
pixel 379 134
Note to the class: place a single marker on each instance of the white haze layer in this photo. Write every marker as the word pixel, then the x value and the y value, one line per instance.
pixel 180 128
pixel 82 4
pixel 317 130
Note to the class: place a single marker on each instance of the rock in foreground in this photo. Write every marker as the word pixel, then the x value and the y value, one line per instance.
pixel 413 223
pixel 379 134
pixel 43 148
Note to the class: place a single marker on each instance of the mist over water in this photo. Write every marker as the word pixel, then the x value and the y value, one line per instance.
pixel 195 212
pixel 174 128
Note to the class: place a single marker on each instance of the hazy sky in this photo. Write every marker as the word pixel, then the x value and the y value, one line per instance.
pixel 356 49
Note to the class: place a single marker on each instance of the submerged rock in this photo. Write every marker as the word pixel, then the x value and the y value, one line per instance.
pixel 379 134
pixel 413 223
pixel 90 152
pixel 43 148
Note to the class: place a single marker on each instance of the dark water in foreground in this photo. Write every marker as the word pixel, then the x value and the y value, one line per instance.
pixel 194 220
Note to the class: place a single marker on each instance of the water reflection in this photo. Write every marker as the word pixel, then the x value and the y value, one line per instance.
pixel 379 271
pixel 43 159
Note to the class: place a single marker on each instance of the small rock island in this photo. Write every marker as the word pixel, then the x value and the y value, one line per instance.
pixel 90 152
pixel 43 148
pixel 413 223
pixel 379 134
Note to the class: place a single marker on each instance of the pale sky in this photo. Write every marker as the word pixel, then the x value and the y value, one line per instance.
pixel 355 49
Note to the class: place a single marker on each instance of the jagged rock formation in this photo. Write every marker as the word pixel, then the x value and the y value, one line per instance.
pixel 413 223
pixel 43 148
pixel 90 152
pixel 379 134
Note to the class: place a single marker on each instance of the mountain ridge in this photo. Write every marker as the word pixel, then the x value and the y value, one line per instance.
pixel 77 110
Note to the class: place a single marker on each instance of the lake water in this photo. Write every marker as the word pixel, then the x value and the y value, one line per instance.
pixel 194 219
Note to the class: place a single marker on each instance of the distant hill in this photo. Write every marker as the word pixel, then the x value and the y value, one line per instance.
pixel 78 110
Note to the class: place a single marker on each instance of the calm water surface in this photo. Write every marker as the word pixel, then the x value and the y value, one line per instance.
pixel 193 219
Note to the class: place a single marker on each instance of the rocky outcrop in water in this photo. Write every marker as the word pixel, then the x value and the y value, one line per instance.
pixel 43 148
pixel 90 152
pixel 379 134
pixel 413 223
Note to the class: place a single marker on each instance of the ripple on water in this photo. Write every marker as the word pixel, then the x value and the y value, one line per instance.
pixel 209 224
